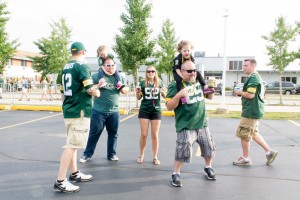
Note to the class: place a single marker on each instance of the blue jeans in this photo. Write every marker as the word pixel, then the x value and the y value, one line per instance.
pixel 98 121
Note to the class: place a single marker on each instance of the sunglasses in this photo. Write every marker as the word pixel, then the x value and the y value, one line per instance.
pixel 150 71
pixel 190 70
pixel 108 65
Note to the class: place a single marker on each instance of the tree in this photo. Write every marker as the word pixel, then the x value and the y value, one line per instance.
pixel 167 42
pixel 133 45
pixel 7 48
pixel 54 49
pixel 278 47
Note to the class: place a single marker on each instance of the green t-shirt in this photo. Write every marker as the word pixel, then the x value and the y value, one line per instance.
pixel 108 101
pixel 151 98
pixel 192 115
pixel 253 108
pixel 76 79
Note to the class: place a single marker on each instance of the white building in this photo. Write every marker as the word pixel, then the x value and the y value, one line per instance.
pixel 213 67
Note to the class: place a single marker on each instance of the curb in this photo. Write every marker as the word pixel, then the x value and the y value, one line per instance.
pixel 59 109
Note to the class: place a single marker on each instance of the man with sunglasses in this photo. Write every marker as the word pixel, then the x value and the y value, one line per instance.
pixel 190 122
pixel 105 113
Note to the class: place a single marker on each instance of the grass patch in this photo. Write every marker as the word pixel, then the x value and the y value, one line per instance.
pixel 267 115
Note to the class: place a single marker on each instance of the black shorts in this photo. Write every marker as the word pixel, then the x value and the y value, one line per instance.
pixel 151 116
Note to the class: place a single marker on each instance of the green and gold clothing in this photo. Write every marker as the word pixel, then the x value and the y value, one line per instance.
pixel 108 102
pixel 253 108
pixel 75 80
pixel 151 98
pixel 192 115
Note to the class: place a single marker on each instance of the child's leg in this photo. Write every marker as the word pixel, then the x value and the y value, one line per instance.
pixel 119 84
pixel 100 73
pixel 178 80
pixel 200 78
pixel 117 76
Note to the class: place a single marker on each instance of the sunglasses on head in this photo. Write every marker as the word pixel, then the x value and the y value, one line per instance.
pixel 150 71
pixel 108 65
pixel 190 70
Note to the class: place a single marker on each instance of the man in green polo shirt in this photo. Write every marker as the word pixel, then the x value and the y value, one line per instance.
pixel 191 123
pixel 252 111
pixel 77 89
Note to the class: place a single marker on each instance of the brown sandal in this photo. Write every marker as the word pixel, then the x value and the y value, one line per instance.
pixel 156 161
pixel 140 159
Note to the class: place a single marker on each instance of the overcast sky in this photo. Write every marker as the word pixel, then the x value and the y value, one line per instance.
pixel 96 22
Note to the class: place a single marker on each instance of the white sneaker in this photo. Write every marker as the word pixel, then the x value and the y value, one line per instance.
pixel 80 177
pixel 65 186
pixel 83 159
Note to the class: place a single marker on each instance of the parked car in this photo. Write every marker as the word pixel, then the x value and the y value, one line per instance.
pixel 287 88
pixel 218 89
pixel 297 88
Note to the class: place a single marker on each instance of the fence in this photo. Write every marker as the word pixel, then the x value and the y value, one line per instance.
pixel 12 93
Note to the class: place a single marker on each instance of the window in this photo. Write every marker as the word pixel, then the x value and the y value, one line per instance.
pixel 290 79
pixel 9 62
pixel 236 65
pixel 23 63
pixel 243 79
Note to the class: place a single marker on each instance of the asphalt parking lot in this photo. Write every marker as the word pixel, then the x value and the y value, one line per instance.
pixel 30 148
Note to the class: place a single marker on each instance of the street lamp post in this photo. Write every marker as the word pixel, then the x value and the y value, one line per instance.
pixel 224 59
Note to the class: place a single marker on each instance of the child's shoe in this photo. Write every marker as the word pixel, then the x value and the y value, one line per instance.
pixel 102 83
pixel 120 85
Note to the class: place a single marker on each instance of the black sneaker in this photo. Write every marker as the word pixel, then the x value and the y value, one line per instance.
pixel 80 177
pixel 210 174
pixel 65 186
pixel 176 180
pixel 113 158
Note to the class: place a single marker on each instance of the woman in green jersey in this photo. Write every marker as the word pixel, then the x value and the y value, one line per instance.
pixel 149 91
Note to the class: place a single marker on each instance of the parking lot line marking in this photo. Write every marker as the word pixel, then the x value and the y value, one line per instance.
pixel 6 127
pixel 128 117
pixel 294 122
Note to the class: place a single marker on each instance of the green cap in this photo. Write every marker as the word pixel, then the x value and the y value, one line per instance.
pixel 77 46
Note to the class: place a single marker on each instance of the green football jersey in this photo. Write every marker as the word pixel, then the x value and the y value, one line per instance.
pixel 76 79
pixel 253 108
pixel 151 98
pixel 108 102
pixel 192 115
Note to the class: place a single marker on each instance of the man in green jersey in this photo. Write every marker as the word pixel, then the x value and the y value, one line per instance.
pixel 77 88
pixel 252 111
pixel 105 113
pixel 191 123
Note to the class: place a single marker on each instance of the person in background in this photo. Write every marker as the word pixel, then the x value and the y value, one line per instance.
pixel 24 89
pixel 149 91
pixel 105 113
pixel 190 122
pixel 252 111
pixel 102 54
pixel 1 85
pixel 51 88
pixel 77 88
pixel 44 85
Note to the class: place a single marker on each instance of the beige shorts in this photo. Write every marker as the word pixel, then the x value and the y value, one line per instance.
pixel 77 132
pixel 247 128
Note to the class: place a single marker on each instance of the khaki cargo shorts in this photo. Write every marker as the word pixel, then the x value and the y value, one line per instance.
pixel 77 132
pixel 247 128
